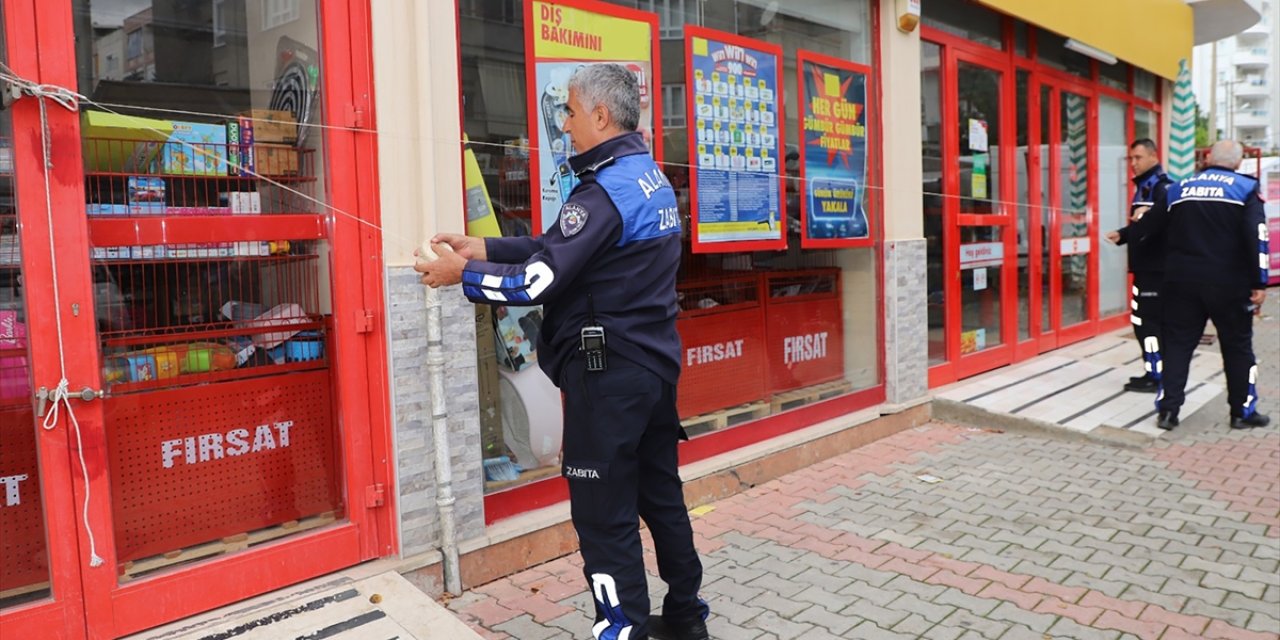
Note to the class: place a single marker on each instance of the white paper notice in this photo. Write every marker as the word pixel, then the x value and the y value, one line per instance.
pixel 977 135
pixel 980 279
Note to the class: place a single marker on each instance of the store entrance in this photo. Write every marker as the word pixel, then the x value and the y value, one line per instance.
pixel 174 271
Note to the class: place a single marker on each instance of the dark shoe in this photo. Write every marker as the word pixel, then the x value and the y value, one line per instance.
pixel 1252 422
pixel 1143 385
pixel 662 629
pixel 1139 378
pixel 1167 420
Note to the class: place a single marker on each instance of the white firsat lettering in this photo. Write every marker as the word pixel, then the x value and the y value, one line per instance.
pixel 216 446
pixel 713 352
pixel 12 497
pixel 804 348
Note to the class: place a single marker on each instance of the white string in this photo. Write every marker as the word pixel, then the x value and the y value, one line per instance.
pixel 60 396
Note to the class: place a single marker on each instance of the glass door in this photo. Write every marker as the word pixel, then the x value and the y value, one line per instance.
pixel 40 583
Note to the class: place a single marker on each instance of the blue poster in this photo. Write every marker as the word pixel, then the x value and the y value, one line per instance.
pixel 735 143
pixel 834 155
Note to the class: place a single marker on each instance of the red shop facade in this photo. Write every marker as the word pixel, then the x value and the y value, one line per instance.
pixel 169 251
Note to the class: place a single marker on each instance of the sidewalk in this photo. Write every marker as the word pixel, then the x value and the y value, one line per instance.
pixel 958 532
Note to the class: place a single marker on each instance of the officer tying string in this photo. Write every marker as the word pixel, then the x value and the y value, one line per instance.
pixel 1146 263
pixel 606 275
pixel 1215 269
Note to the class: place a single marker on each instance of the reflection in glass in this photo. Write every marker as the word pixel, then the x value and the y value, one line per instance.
pixel 220 414
pixel 1144 124
pixel 24 556
pixel 968 20
pixel 979 132
pixel 1073 206
pixel 1046 209
pixel 934 224
pixel 1023 199
pixel 981 258
pixel 1113 210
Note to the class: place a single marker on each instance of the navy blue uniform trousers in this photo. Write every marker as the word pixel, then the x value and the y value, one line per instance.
pixel 1187 305
pixel 620 432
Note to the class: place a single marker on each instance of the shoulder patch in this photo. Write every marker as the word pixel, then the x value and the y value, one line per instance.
pixel 573 217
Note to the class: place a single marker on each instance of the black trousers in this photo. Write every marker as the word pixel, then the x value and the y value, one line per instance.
pixel 620 432
pixel 1187 306
pixel 1147 317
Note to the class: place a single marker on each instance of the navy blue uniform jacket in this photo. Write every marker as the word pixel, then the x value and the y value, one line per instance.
pixel 617 240
pixel 1146 256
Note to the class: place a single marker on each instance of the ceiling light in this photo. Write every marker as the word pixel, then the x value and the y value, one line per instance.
pixel 1092 52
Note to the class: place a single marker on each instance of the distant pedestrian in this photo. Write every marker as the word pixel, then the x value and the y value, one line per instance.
pixel 1215 269
pixel 1146 263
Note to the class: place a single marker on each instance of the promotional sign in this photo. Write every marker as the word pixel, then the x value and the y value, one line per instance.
pixel 1272 207
pixel 561 37
pixel 833 156
pixel 735 142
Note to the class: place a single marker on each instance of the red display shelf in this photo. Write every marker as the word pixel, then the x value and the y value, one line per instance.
pixel 217 376
pixel 150 230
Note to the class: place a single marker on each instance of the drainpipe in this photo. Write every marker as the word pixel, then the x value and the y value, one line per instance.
pixel 435 316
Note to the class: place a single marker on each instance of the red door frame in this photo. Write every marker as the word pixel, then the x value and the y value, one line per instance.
pixel 62 614
pixel 89 600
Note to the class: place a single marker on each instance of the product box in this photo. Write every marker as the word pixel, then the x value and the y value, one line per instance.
pixel 199 211
pixel 233 147
pixel 248 161
pixel 108 209
pixel 244 202
pixel 195 149
pixel 118 143
pixel 272 125
pixel 275 159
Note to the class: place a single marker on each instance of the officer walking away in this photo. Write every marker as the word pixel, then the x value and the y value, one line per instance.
pixel 606 274
pixel 1215 269
pixel 1146 263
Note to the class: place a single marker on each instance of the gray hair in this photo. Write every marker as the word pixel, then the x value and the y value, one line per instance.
pixel 1227 154
pixel 611 86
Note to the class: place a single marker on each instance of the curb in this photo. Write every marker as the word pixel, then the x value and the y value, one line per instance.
pixel 969 415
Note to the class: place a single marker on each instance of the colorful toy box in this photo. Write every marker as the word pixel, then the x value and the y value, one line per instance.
pixel 195 149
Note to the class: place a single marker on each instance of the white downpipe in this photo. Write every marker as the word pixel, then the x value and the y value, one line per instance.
pixel 435 314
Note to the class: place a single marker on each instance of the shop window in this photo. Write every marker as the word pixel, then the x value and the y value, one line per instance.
pixel 1145 85
pixel 1113 204
pixel 751 300
pixel 206 208
pixel 1020 30
pixel 1115 75
pixel 1051 50
pixel 979 101
pixel 1022 179
pixel 968 20
pixel 1144 124
pixel 933 188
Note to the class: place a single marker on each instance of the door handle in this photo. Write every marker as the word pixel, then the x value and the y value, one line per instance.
pixel 44 395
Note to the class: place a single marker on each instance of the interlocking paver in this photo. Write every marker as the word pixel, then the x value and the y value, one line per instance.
pixel 1025 538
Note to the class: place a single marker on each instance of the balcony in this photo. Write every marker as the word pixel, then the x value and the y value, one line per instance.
pixel 1252 58
pixel 1255 88
pixel 1251 118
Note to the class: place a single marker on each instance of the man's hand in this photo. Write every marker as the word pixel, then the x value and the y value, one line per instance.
pixel 1257 297
pixel 1139 212
pixel 1113 237
pixel 445 270
pixel 469 247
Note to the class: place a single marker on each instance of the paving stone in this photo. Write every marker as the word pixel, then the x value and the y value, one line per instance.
pixel 824 618
pixel 1008 612
pixel 909 603
pixel 1065 628
pixel 770 622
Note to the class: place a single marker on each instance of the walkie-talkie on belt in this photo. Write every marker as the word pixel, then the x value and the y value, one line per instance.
pixel 592 341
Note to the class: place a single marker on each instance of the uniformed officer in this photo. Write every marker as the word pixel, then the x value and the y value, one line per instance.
pixel 608 267
pixel 1146 263
pixel 1215 268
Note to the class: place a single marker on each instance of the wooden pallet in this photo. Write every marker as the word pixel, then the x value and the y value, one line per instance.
pixel 716 420
pixel 230 544
pixel 526 477
pixel 22 591
pixel 796 397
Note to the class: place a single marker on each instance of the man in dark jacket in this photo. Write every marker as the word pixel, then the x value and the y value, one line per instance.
pixel 1146 263
pixel 606 274
pixel 1216 265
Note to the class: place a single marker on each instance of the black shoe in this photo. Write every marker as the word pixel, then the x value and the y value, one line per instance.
pixel 1143 385
pixel 1140 378
pixel 1253 421
pixel 662 629
pixel 1167 420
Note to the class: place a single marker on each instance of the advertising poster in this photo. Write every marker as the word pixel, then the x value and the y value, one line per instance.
pixel 735 142
pixel 833 156
pixel 1271 205
pixel 562 36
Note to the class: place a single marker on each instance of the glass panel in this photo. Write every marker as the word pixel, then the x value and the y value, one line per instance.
pixel 1113 189
pixel 1144 85
pixel 1046 209
pixel 1073 214
pixel 1024 207
pixel 979 122
pixel 828 295
pixel 1051 49
pixel 220 416
pixel 1144 124
pixel 1020 37
pixel 1115 75
pixel 965 19
pixel 934 203
pixel 24 555
pixel 981 256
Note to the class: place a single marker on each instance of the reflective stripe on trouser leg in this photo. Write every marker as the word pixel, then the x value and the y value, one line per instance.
pixel 615 625
pixel 1251 399
pixel 1151 354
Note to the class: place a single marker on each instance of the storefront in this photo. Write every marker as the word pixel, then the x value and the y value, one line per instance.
pixel 1024 140
pixel 226 421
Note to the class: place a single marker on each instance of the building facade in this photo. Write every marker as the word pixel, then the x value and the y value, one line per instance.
pixel 217 363
pixel 1235 81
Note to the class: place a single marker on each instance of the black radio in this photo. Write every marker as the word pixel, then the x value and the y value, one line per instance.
pixel 592 345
